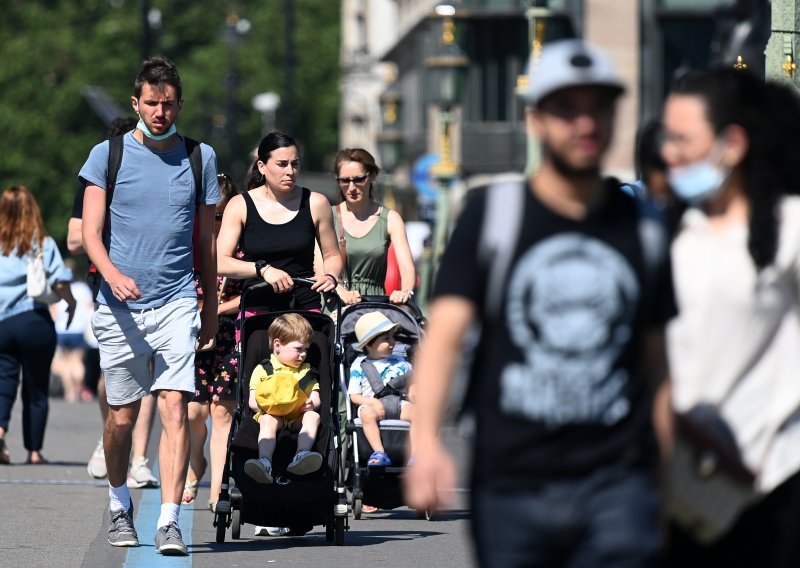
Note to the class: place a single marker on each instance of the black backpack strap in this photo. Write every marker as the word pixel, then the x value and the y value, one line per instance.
pixel 115 147
pixel 267 364
pixel 310 377
pixel 196 162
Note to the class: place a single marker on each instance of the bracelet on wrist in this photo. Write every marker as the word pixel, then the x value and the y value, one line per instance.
pixel 333 278
pixel 409 292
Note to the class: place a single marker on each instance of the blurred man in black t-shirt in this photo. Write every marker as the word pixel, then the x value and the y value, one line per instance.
pixel 571 356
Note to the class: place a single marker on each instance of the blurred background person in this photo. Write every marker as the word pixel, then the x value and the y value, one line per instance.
pixel 27 332
pixel 365 229
pixel 68 362
pixel 730 145
pixel 216 374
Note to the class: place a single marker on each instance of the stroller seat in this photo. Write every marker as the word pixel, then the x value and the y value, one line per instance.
pixel 394 435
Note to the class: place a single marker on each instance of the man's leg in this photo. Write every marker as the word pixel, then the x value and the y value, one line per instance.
pixel 117 440
pixel 620 506
pixel 173 449
pixel 124 360
pixel 172 330
pixel 521 529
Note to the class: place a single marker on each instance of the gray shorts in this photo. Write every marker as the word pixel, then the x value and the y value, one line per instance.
pixel 148 350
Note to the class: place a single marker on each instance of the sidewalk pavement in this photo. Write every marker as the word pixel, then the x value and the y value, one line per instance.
pixel 50 512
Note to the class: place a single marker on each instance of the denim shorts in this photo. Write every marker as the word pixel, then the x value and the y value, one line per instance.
pixel 147 350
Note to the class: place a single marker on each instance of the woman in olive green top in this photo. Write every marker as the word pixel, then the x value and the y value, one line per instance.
pixel 365 230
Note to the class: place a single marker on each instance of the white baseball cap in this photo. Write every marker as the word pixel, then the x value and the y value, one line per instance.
pixel 569 63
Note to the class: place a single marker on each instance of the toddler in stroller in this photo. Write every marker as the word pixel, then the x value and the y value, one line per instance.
pixel 378 433
pixel 312 492
pixel 378 381
pixel 284 393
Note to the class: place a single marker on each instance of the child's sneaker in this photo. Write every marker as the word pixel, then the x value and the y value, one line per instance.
pixel 140 475
pixel 260 470
pixel 305 462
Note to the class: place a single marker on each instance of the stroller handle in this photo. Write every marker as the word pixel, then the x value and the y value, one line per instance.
pixel 385 300
pixel 305 282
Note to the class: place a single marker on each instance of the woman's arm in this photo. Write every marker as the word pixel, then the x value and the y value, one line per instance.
pixel 64 291
pixel 326 236
pixel 405 261
pixel 229 234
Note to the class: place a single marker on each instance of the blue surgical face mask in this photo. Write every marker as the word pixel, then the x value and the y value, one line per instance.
pixel 698 182
pixel 143 127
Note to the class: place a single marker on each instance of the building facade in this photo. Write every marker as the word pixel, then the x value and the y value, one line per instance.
pixel 650 41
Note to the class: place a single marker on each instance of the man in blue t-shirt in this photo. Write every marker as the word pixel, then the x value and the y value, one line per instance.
pixel 147 321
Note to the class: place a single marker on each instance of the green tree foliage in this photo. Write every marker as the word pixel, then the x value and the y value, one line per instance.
pixel 52 49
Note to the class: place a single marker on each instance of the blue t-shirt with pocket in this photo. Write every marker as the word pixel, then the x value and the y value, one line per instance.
pixel 151 218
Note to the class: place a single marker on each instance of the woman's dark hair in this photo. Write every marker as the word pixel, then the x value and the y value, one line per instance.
pixel 648 150
pixel 226 186
pixel 268 144
pixel 770 114
pixel 357 155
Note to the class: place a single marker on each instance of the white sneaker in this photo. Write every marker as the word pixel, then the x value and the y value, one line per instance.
pixel 140 476
pixel 97 463
pixel 271 531
pixel 305 462
pixel 259 470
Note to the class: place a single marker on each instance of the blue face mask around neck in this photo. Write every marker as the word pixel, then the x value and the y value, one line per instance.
pixel 143 127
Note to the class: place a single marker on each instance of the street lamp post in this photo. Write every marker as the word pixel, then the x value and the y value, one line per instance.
pixel 390 138
pixel 235 29
pixel 446 71
pixel 266 104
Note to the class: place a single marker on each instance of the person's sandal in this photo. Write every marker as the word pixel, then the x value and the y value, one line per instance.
pixel 190 487
pixel 190 491
pixel 379 459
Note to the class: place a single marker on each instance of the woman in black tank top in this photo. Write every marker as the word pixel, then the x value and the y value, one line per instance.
pixel 276 224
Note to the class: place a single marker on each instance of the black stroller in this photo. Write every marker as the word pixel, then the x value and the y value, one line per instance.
pixel 296 502
pixel 377 486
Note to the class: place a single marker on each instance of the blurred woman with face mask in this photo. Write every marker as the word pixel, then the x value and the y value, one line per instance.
pixel 730 144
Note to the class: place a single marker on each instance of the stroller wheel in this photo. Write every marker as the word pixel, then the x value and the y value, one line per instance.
pixel 339 531
pixel 330 529
pixel 236 524
pixel 221 521
pixel 357 504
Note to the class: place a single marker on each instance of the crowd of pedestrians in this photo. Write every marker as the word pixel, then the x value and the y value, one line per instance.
pixel 636 354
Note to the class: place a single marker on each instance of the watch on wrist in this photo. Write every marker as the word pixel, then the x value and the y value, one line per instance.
pixel 260 265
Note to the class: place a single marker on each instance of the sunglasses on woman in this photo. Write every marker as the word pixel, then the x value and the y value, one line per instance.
pixel 358 180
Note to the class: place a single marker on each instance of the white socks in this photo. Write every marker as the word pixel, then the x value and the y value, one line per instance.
pixel 119 497
pixel 169 513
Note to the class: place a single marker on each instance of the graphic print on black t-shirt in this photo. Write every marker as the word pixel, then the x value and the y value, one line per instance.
pixel 570 310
